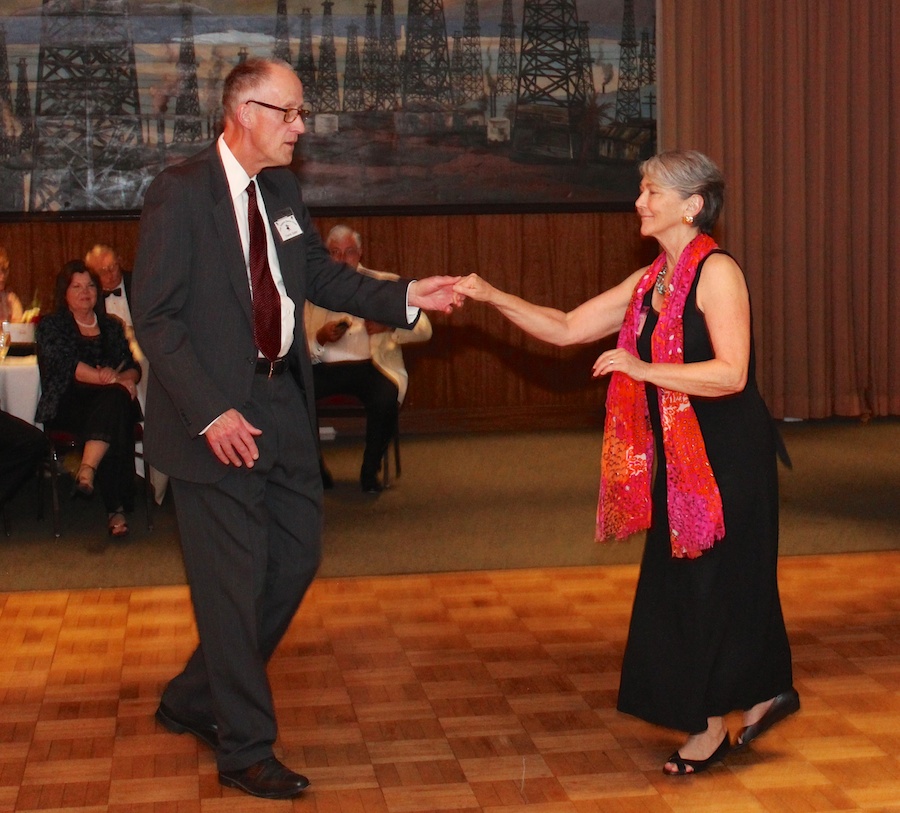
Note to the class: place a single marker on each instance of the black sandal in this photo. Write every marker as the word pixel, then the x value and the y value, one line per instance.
pixel 783 705
pixel 117 525
pixel 697 765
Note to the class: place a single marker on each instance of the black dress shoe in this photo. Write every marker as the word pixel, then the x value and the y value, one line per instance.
pixel 371 484
pixel 207 733
pixel 268 779
pixel 782 706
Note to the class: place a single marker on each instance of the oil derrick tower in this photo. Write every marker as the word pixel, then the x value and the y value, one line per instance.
pixel 506 61
pixel 388 64
pixel 7 122
pixel 23 108
pixel 306 64
pixel 647 60
pixel 426 71
pixel 327 81
pixel 353 79
pixel 587 61
pixel 471 79
pixel 188 127
pixel 551 103
pixel 89 138
pixel 282 49
pixel 456 63
pixel 370 60
pixel 648 71
pixel 628 96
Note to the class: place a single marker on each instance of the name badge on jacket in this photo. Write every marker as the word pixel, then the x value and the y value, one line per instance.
pixel 287 226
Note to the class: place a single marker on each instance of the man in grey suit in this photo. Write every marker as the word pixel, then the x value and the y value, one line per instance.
pixel 230 411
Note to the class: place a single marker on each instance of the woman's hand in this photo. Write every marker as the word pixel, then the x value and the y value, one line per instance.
pixel 474 287
pixel 620 361
pixel 129 385
pixel 106 375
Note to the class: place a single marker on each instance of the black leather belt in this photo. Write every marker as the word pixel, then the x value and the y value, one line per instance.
pixel 270 368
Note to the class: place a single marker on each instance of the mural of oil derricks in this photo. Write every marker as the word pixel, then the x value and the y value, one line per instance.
pixel 94 124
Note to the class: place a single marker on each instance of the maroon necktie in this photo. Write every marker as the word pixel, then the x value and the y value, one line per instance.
pixel 266 302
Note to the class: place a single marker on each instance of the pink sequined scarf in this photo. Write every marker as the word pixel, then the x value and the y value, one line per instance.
pixel 696 522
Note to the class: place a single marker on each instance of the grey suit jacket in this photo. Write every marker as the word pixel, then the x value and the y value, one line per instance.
pixel 192 307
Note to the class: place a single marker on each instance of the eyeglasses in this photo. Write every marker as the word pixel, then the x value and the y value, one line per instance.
pixel 290 113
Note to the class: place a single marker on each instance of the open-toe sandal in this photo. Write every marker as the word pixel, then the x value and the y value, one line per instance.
pixel 687 767
pixel 117 526
pixel 84 481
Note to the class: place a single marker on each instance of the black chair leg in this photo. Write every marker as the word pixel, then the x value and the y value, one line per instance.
pixel 54 491
pixel 397 447
pixel 149 496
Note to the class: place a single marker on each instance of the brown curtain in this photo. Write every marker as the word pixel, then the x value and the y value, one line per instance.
pixel 800 105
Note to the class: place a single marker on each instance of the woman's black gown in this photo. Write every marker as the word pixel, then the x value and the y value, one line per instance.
pixel 707 635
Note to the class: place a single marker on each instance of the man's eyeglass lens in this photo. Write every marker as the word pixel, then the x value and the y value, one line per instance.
pixel 290 113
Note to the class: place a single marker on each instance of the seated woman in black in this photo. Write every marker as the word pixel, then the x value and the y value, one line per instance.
pixel 88 383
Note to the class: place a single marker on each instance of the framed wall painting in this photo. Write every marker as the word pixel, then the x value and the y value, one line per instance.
pixel 416 106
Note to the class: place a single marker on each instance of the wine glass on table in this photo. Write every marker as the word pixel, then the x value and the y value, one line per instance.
pixel 5 341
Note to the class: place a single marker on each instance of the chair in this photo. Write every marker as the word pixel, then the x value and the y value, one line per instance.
pixel 63 442
pixel 349 406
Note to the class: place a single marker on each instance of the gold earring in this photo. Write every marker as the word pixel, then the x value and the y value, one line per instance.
pixel 688 219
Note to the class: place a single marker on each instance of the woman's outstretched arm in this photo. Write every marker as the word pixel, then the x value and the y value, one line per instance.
pixel 598 317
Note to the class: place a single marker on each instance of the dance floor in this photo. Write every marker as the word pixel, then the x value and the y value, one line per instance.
pixel 489 690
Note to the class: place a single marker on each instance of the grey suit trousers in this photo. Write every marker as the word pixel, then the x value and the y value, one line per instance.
pixel 252 545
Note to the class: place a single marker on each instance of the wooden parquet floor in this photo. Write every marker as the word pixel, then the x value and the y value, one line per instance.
pixel 491 691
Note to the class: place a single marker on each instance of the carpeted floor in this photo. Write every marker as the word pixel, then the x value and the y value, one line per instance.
pixel 482 501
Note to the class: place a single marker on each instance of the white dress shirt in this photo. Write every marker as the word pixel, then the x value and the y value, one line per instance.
pixel 238 180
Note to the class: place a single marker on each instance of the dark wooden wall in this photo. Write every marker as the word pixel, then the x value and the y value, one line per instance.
pixel 477 372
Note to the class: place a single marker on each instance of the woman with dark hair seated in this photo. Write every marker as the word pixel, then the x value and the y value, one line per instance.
pixel 88 383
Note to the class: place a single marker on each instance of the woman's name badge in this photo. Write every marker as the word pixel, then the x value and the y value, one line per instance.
pixel 288 227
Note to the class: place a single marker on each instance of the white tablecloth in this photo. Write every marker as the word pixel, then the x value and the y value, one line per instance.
pixel 20 386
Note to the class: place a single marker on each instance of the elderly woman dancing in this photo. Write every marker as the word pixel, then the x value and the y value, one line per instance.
pixel 707 634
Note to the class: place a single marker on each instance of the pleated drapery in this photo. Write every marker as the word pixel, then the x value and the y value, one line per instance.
pixel 800 104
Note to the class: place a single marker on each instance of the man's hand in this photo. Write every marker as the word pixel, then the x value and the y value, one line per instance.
pixel 435 294
pixel 332 331
pixel 230 437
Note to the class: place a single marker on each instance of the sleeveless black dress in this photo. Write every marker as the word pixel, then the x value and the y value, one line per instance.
pixel 707 635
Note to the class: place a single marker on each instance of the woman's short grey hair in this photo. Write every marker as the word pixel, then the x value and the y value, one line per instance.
pixel 690 172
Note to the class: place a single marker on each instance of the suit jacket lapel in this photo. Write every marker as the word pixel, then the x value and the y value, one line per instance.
pixel 229 236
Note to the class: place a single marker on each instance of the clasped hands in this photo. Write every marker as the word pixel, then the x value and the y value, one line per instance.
pixel 438 293
pixel 109 376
